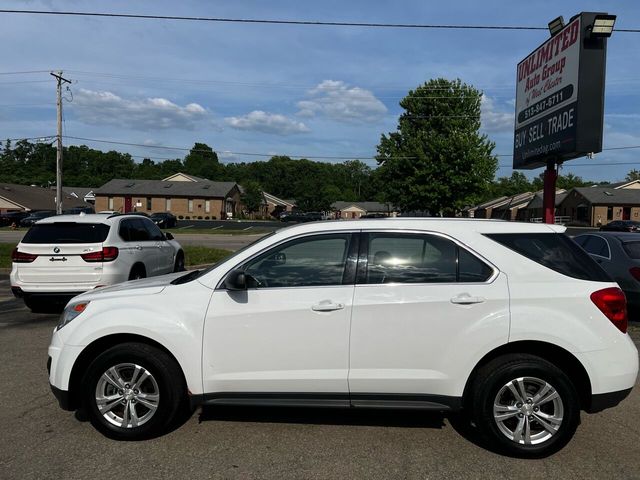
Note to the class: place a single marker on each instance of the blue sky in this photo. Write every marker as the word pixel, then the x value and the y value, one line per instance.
pixel 311 91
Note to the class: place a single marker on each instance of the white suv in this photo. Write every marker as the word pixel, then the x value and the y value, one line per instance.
pixel 65 255
pixel 511 323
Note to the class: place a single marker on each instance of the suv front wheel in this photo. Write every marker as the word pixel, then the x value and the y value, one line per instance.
pixel 525 405
pixel 133 391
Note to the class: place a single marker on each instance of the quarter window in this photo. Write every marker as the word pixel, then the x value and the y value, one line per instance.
pixel 310 261
pixel 596 246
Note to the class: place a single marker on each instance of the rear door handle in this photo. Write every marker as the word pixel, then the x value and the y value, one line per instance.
pixel 327 306
pixel 466 299
pixel 138 247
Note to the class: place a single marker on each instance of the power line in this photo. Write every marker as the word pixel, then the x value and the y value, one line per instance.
pixel 285 22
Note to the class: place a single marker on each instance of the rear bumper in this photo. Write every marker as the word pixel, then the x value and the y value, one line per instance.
pixel 50 298
pixel 603 401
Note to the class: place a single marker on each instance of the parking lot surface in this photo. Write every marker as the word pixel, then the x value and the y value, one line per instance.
pixel 39 440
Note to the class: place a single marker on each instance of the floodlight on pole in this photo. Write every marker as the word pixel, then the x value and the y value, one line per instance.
pixel 556 25
pixel 602 26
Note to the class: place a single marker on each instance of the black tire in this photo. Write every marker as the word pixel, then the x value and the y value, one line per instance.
pixel 42 306
pixel 179 263
pixel 163 370
pixel 137 272
pixel 561 415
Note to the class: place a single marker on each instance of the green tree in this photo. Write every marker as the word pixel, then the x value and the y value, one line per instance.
pixel 203 162
pixel 437 160
pixel 632 175
pixel 508 186
pixel 252 197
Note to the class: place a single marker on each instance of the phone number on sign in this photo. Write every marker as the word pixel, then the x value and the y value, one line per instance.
pixel 545 104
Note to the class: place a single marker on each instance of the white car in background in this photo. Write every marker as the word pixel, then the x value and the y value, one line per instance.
pixel 512 323
pixel 65 255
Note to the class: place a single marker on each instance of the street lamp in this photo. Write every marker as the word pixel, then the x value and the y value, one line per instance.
pixel 602 26
pixel 556 25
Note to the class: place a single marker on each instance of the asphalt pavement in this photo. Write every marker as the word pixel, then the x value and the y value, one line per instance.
pixel 41 441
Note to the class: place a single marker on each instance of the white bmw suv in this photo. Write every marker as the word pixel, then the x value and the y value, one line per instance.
pixel 63 256
pixel 512 324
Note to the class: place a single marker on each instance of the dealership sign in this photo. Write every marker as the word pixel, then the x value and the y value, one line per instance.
pixel 560 97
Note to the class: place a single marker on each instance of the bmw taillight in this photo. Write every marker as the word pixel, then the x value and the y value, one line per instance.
pixel 107 254
pixel 22 257
pixel 613 303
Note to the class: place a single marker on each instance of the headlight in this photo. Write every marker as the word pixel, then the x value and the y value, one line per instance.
pixel 71 311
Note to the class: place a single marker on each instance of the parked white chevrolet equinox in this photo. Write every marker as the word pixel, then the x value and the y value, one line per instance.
pixel 65 255
pixel 511 323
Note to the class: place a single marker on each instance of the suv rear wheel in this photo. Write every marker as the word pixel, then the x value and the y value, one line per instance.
pixel 525 405
pixel 137 272
pixel 133 391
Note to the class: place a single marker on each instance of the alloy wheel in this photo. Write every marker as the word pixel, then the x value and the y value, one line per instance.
pixel 528 410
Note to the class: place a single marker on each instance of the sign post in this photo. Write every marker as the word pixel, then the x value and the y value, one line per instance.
pixel 560 102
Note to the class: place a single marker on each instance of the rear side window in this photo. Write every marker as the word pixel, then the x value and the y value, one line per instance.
pixel 67 232
pixel 595 245
pixel 632 249
pixel 419 258
pixel 555 251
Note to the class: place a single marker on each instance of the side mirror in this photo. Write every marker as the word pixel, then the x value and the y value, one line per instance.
pixel 168 236
pixel 236 280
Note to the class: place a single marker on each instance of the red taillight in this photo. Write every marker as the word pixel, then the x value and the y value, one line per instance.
pixel 107 254
pixel 613 303
pixel 22 257
pixel 635 272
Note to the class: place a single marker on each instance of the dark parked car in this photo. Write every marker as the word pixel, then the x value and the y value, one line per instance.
pixel 9 218
pixel 374 215
pixel 35 216
pixel 78 210
pixel 621 226
pixel 299 217
pixel 618 253
pixel 164 219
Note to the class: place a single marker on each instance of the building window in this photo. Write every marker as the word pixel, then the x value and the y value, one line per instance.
pixel 110 203
pixel 190 207
pixel 167 204
pixel 609 213
pixel 148 203
pixel 207 206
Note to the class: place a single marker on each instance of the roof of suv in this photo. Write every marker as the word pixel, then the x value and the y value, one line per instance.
pixel 81 218
pixel 431 223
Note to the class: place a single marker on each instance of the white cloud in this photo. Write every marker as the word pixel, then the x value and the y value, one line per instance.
pixel 265 122
pixel 342 103
pixel 494 120
pixel 106 108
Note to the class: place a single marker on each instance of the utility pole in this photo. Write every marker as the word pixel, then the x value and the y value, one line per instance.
pixel 60 79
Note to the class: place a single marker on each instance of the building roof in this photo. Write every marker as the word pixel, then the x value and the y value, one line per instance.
pixel 520 200
pixel 162 188
pixel 79 192
pixel 537 202
pixel 608 195
pixel 36 198
pixel 183 177
pixel 366 206
pixel 277 201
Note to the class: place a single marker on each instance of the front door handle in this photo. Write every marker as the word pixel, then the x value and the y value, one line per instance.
pixel 466 299
pixel 327 306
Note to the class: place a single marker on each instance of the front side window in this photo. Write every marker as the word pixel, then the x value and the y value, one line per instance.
pixel 306 262
pixel 153 231
pixel 417 258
